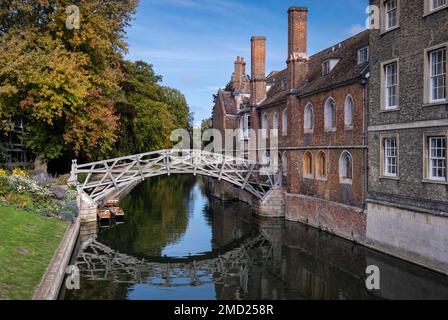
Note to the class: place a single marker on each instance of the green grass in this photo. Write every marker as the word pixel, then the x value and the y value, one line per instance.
pixel 27 245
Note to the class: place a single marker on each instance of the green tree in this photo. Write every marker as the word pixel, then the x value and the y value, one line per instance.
pixel 149 112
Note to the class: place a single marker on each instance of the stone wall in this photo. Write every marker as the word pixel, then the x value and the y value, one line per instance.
pixel 342 220
pixel 418 237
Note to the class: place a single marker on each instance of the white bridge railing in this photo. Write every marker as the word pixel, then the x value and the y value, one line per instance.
pixel 102 179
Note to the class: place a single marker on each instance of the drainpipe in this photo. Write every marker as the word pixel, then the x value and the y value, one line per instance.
pixel 364 165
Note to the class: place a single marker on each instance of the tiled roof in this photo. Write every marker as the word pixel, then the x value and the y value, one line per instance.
pixel 345 70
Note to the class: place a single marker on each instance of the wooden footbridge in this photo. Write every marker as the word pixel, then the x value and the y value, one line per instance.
pixel 104 179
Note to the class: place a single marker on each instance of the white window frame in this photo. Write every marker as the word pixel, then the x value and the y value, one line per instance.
pixel 386 86
pixel 432 76
pixel 433 7
pixel 388 12
pixel 389 156
pixel 326 67
pixel 432 158
pixel 360 55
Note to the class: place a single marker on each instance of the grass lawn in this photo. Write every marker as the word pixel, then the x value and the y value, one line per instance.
pixel 27 245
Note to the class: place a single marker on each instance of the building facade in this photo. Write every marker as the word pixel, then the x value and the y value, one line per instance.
pixel 408 131
pixel 316 107
pixel 362 128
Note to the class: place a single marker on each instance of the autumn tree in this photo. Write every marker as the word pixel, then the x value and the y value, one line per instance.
pixel 64 84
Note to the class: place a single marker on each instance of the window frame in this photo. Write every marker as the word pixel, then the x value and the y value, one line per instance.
pixel 383 173
pixel 342 179
pixel 366 48
pixel 349 126
pixel 385 16
pixel 310 174
pixel 285 122
pixel 318 166
pixel 309 106
pixel 429 9
pixel 334 115
pixel 384 87
pixel 427 175
pixel 427 95
pixel 264 125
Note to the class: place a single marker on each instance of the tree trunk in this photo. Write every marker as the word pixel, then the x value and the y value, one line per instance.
pixel 41 165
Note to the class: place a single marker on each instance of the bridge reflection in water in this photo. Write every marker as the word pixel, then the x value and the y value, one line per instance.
pixel 183 245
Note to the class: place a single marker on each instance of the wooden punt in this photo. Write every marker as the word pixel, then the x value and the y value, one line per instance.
pixel 112 203
pixel 104 214
pixel 117 212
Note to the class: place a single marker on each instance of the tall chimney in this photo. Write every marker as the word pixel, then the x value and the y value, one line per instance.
pixel 239 72
pixel 298 62
pixel 258 79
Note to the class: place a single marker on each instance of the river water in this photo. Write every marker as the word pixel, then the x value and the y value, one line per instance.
pixel 176 242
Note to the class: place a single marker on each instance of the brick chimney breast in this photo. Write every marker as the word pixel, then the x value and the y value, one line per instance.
pixel 258 69
pixel 298 61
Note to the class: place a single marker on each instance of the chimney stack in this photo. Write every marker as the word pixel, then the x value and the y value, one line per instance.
pixel 298 62
pixel 239 73
pixel 258 77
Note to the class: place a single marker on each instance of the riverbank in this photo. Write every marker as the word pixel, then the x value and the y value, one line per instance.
pixel 27 245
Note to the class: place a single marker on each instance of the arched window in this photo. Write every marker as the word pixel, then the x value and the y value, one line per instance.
pixel 275 121
pixel 330 114
pixel 309 116
pixel 285 163
pixel 308 165
pixel 321 165
pixel 346 167
pixel 349 110
pixel 265 125
pixel 285 122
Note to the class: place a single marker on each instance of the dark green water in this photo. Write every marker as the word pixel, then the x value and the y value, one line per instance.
pixel 178 243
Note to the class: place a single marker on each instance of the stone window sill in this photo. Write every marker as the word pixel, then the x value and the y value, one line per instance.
pixel 349 128
pixel 435 104
pixel 330 129
pixel 389 178
pixel 309 131
pixel 324 179
pixel 346 181
pixel 430 12
pixel 389 110
pixel 384 31
pixel 434 181
pixel 308 177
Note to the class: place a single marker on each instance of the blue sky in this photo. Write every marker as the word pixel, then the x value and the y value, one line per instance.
pixel 193 43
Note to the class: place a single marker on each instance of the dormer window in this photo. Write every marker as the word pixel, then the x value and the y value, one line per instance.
pixel 363 55
pixel 328 66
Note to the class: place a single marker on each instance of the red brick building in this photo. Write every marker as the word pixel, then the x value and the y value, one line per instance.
pixel 318 106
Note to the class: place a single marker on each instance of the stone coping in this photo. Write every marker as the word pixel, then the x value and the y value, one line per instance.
pixel 49 286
